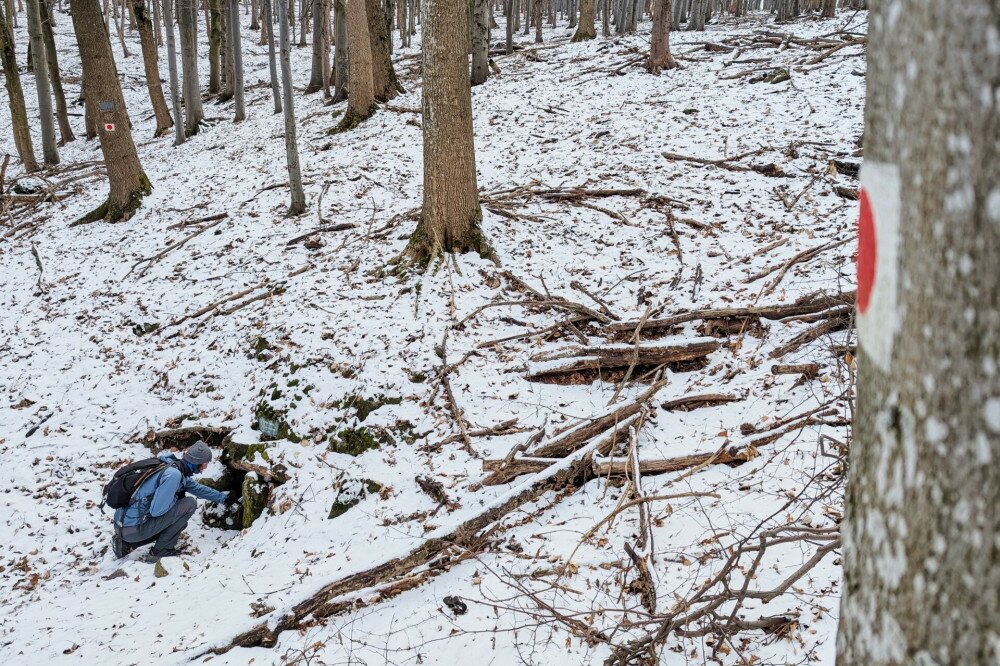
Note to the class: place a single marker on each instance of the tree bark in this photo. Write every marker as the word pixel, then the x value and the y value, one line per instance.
pixel 586 29
pixel 829 8
pixel 42 86
pixel 268 24
pixel 340 75
pixel 921 529
pixel 536 17
pixel 150 59
pixel 316 73
pixel 100 76
pixel 480 42
pixel 15 97
pixel 187 21
pixel 236 46
pixel 175 91
pixel 361 93
pixel 659 50
pixel 384 81
pixel 52 60
pixel 215 31
pixel 298 205
pixel 451 215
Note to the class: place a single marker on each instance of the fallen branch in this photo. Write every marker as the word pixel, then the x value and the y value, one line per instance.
pixel 588 360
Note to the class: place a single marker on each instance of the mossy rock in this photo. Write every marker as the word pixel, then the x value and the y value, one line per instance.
pixel 363 407
pixel 352 491
pixel 355 441
pixel 272 423
pixel 256 492
pixel 778 76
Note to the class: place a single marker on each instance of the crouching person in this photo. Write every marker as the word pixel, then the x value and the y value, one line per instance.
pixel 159 510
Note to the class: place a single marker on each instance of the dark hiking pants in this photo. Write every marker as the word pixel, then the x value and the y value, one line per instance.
pixel 162 531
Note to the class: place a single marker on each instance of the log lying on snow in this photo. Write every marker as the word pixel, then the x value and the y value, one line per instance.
pixel 810 304
pixel 468 534
pixel 588 360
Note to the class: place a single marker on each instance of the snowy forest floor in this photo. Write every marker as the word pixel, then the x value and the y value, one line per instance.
pixel 92 361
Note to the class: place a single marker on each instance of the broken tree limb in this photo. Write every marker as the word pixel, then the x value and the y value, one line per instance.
pixel 812 303
pixel 467 534
pixel 619 357
pixel 689 402
pixel 321 230
pixel 831 325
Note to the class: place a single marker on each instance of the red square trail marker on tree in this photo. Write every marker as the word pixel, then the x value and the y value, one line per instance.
pixel 109 127
pixel 878 261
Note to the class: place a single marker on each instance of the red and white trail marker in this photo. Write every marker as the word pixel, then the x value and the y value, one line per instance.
pixel 878 261
pixel 109 127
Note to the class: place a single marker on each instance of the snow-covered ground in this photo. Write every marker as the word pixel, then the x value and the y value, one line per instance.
pixel 82 382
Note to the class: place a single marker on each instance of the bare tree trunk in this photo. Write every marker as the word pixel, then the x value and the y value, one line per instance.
pixel 128 181
pixel 537 19
pixel 922 529
pixel 298 205
pixel 829 8
pixel 585 30
pixel 175 91
pixel 480 42
pixel 451 214
pixel 49 150
pixel 236 45
pixel 659 51
pixel 268 24
pixel 15 97
pixel 215 47
pixel 52 61
pixel 361 93
pixel 316 73
pixel 187 21
pixel 340 74
pixel 152 67
pixel 511 17
pixel 384 81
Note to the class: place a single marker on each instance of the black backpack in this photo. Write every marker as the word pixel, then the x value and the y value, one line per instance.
pixel 119 490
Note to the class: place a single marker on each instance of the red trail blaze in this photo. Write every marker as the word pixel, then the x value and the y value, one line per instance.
pixel 867 251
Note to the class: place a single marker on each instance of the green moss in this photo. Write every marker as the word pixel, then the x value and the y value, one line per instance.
pixel 254 499
pixel 417 377
pixel 352 119
pixel 363 406
pixel 272 423
pixel 355 441
pixel 350 495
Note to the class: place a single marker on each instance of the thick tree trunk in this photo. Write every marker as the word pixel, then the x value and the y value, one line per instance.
pixel 340 74
pixel 586 29
pixel 384 81
pixel 15 97
pixel 511 17
pixel 215 32
pixel 361 93
pixel 187 21
pixel 175 89
pixel 829 8
pixel 298 205
pixel 52 60
pixel 450 217
pixel 659 51
pixel 268 24
pixel 100 76
pixel 316 73
pixel 537 20
pixel 150 60
pixel 42 87
pixel 236 46
pixel 922 527
pixel 480 42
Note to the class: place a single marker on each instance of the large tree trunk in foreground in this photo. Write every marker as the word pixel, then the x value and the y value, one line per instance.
pixel 659 51
pixel 384 81
pixel 586 29
pixel 52 60
pixel 150 59
pixel 15 97
pixel 187 22
pixel 922 527
pixel 450 218
pixel 361 90
pixel 298 205
pixel 100 76
pixel 42 87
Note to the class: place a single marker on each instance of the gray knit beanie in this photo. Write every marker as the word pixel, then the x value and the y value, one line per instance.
pixel 198 454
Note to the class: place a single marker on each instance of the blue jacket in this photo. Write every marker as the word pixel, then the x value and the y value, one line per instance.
pixel 159 493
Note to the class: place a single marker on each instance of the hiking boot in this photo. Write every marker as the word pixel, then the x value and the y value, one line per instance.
pixel 155 554
pixel 121 547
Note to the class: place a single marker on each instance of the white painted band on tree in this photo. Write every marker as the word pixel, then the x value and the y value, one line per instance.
pixel 878 295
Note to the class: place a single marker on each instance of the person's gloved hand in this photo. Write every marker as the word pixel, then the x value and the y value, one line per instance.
pixel 232 497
